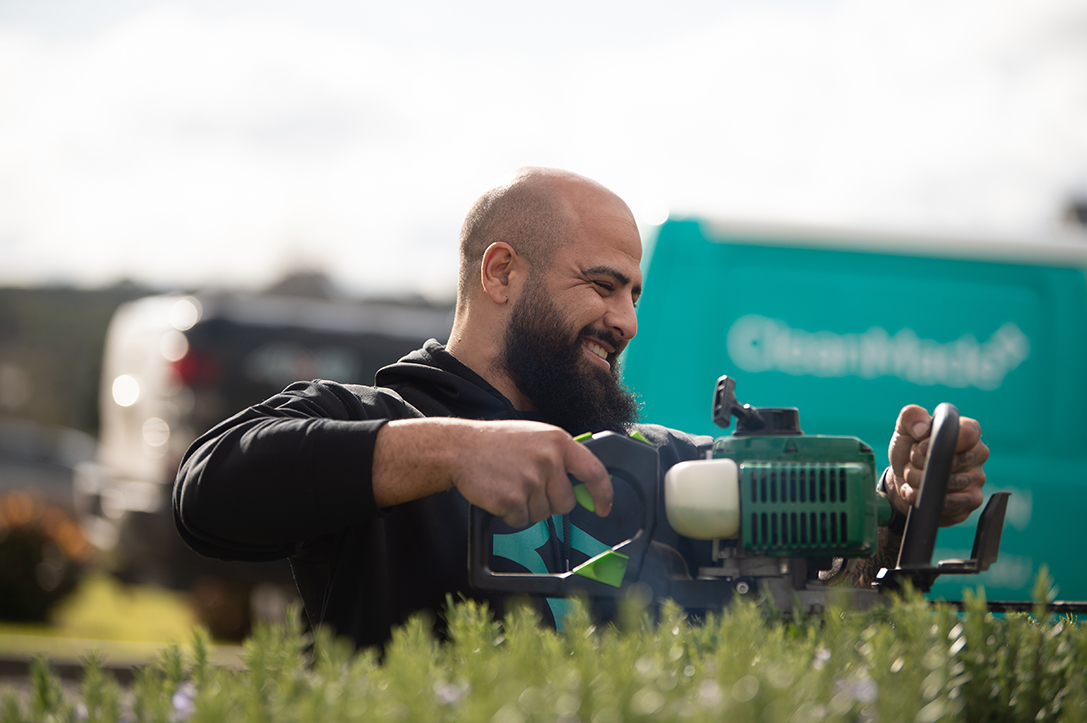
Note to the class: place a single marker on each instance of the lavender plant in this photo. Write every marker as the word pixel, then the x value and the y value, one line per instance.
pixel 912 661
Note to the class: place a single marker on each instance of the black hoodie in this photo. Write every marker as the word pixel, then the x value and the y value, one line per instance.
pixel 291 478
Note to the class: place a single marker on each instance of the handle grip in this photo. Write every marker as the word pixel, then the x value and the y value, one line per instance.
pixel 923 519
pixel 626 458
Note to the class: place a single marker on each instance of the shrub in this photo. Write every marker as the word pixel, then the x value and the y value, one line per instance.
pixel 911 661
pixel 42 554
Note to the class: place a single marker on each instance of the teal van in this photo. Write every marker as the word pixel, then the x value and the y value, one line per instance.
pixel 850 327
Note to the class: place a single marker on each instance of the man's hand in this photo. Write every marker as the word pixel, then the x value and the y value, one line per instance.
pixel 516 470
pixel 907 451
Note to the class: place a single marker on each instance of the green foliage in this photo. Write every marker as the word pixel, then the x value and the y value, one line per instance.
pixel 47 702
pixel 911 661
pixel 101 694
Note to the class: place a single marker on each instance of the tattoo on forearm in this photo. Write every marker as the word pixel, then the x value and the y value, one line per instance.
pixel 866 568
pixel 861 571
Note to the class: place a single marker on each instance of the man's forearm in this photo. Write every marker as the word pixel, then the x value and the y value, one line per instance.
pixel 861 571
pixel 515 469
pixel 412 458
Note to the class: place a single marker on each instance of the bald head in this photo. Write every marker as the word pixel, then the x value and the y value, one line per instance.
pixel 545 246
pixel 535 210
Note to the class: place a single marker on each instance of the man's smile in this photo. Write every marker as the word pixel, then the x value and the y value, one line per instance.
pixel 597 352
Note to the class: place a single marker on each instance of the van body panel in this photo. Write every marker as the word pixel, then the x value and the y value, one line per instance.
pixel 851 332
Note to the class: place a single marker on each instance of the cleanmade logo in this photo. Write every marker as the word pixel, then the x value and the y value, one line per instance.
pixel 759 344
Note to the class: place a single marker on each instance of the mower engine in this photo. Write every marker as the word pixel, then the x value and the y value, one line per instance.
pixel 777 505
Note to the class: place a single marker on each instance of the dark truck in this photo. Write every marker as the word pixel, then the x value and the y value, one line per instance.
pixel 173 367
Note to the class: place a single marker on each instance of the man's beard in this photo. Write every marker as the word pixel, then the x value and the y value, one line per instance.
pixel 551 370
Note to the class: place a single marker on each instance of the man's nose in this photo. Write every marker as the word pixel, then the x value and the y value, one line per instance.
pixel 623 319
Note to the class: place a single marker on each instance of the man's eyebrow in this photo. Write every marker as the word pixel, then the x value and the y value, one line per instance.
pixel 603 270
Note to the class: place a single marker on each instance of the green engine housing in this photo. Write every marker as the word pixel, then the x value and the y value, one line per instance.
pixel 806 495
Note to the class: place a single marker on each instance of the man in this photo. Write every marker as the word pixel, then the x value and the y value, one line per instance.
pixel 366 489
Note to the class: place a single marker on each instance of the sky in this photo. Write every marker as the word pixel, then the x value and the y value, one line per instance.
pixel 204 143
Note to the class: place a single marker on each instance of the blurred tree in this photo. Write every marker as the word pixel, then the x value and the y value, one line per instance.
pixel 311 284
pixel 51 341
pixel 1075 212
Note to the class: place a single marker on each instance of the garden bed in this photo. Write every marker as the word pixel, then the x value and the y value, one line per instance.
pixel 911 661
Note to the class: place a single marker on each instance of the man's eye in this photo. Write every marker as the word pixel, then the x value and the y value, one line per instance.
pixel 604 285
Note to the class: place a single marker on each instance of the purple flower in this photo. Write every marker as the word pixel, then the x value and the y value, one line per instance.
pixel 447 693
pixel 860 689
pixel 182 701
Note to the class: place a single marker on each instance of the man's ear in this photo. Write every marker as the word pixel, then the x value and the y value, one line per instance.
pixel 497 271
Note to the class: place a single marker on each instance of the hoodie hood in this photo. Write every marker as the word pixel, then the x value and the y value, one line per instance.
pixel 433 381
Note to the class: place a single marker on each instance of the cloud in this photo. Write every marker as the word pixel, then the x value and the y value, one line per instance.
pixel 189 144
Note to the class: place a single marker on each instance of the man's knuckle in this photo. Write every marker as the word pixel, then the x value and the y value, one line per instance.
pixel 912 410
pixel 511 499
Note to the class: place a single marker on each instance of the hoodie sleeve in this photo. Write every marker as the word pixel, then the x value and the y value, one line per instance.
pixel 675 446
pixel 293 469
